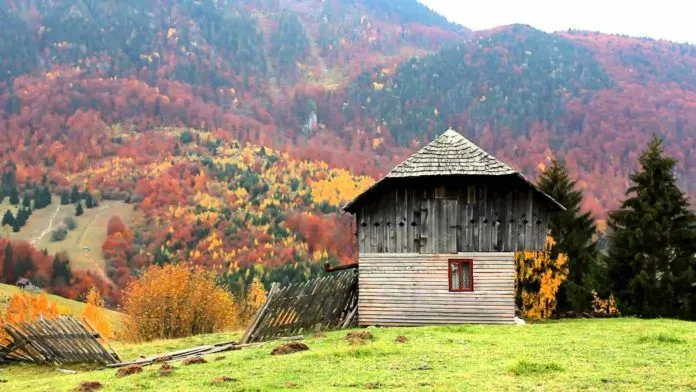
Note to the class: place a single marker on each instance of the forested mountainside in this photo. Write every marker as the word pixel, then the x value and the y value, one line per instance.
pixel 237 128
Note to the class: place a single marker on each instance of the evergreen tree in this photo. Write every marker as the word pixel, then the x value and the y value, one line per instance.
pixel 64 197
pixel 652 251
pixel 8 218
pixel 574 232
pixel 89 200
pixel 7 264
pixel 74 195
pixel 26 200
pixel 46 196
pixel 78 209
pixel 14 196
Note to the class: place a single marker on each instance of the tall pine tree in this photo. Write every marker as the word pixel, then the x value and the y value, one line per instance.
pixel 575 235
pixel 652 251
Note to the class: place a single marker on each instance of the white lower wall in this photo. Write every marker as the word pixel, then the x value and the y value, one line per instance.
pixel 413 289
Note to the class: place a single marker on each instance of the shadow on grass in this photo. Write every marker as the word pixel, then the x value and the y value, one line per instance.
pixel 660 338
pixel 530 368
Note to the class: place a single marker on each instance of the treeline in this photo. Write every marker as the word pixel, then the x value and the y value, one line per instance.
pixel 650 264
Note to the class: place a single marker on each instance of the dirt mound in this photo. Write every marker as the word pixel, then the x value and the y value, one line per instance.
pixel 401 339
pixel 289 348
pixel 223 379
pixel 166 369
pixel 359 337
pixel 194 360
pixel 128 370
pixel 88 386
pixel 163 359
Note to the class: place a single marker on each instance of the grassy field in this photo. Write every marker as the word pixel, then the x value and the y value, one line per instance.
pixel 82 244
pixel 616 354
pixel 75 306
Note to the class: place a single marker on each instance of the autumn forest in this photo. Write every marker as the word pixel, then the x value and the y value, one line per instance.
pixel 236 130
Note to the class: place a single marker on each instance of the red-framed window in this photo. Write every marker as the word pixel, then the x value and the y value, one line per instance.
pixel 461 274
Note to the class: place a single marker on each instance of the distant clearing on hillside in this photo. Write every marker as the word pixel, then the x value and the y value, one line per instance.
pixel 82 244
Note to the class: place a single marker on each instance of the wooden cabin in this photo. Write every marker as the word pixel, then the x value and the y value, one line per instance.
pixel 437 237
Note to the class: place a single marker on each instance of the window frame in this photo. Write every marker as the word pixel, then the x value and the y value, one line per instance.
pixel 460 263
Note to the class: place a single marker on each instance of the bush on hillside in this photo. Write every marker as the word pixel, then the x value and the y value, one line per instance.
pixel 59 233
pixel 176 301
pixel 70 222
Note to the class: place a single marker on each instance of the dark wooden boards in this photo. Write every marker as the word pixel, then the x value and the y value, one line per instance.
pixel 328 302
pixel 450 215
pixel 59 340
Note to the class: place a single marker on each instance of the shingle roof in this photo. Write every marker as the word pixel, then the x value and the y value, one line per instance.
pixel 450 154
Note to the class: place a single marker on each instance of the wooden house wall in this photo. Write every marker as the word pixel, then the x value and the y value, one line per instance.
pixel 413 289
pixel 450 216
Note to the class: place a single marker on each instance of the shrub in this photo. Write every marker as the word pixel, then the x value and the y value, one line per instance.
pixel 23 307
pixel 70 222
pixel 539 276
pixel 176 301
pixel 59 233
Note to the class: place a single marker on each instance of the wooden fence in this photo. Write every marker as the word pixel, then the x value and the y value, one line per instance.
pixel 60 340
pixel 329 302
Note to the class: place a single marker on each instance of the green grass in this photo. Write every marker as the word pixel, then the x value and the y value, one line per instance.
pixel 76 307
pixel 608 354
pixel 82 244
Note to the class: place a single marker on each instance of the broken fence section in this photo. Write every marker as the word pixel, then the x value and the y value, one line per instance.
pixel 60 340
pixel 329 302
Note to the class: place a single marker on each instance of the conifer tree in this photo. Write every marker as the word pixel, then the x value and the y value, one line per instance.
pixel 64 197
pixel 8 218
pixel 26 200
pixel 78 209
pixel 89 200
pixel 574 232
pixel 14 196
pixel 652 251
pixel 74 195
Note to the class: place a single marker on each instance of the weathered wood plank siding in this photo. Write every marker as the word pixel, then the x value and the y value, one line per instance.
pixel 453 214
pixel 413 289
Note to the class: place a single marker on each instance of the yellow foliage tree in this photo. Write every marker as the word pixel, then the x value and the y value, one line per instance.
pixel 95 315
pixel 539 275
pixel 176 301
pixel 255 297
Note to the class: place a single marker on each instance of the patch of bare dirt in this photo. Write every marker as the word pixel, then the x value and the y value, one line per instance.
pixel 194 361
pixel 401 339
pixel 290 348
pixel 166 369
pixel 88 386
pixel 359 337
pixel 220 358
pixel 128 370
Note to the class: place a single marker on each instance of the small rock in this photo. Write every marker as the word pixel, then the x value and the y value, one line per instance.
pixel 401 339
pixel 166 369
pixel 128 370
pixel 193 361
pixel 519 321
pixel 424 366
pixel 289 348
pixel 88 386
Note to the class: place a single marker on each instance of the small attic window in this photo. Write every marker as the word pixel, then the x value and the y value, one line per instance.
pixel 461 275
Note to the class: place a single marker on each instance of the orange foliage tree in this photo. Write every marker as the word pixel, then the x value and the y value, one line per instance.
pixel 176 301
pixel 95 315
pixel 23 307
pixel 539 275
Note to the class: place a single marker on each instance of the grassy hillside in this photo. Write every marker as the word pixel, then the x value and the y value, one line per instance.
pixel 75 306
pixel 616 354
pixel 82 244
